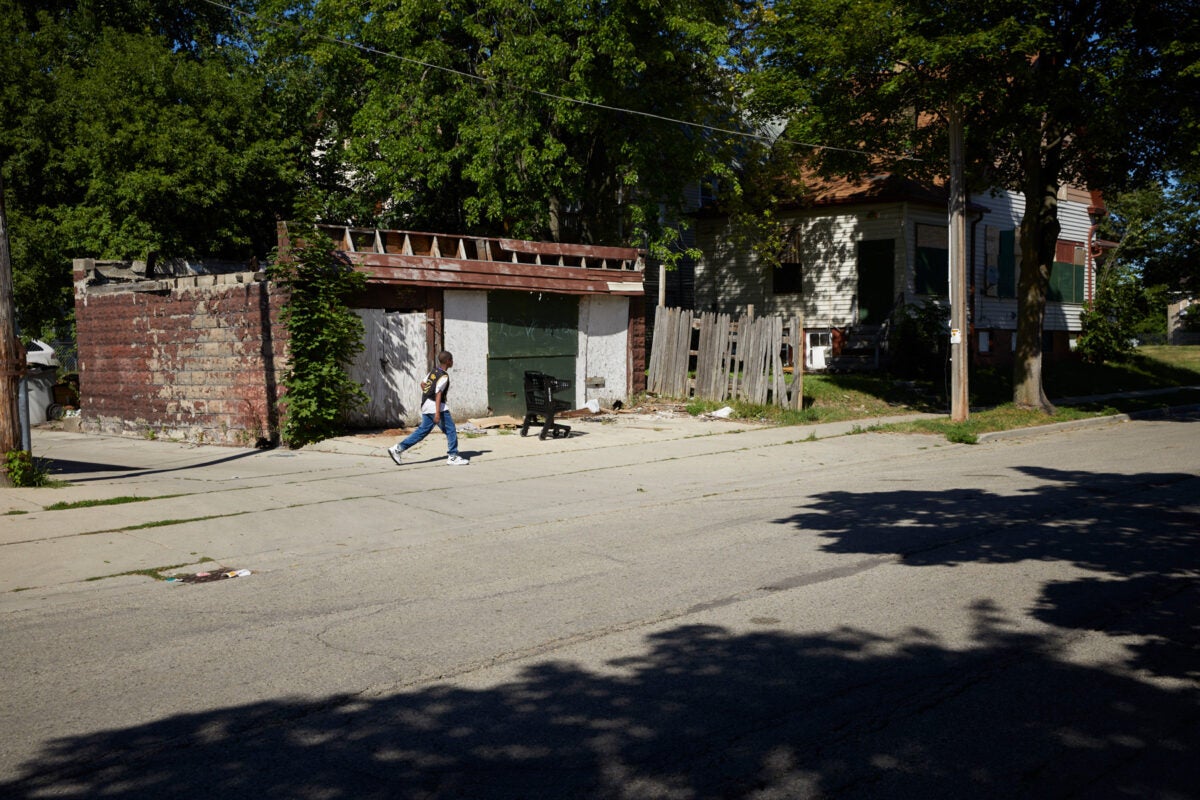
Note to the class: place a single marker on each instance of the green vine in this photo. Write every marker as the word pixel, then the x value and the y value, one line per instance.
pixel 23 470
pixel 323 337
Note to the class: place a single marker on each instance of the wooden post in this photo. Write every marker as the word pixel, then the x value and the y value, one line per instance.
pixel 12 359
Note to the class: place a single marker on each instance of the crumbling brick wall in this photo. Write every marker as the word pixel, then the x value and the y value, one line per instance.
pixel 637 345
pixel 194 358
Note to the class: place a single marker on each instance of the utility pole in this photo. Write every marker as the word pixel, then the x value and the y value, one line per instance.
pixel 12 360
pixel 959 396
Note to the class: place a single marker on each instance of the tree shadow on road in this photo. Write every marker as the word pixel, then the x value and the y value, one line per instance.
pixel 1139 534
pixel 706 712
pixel 702 713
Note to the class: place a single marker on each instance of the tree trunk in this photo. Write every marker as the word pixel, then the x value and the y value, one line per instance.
pixel 556 222
pixel 12 360
pixel 1039 239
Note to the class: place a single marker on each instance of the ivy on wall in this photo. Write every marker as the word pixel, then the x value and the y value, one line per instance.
pixel 324 335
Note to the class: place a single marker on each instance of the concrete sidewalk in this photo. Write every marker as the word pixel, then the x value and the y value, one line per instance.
pixel 264 509
pixel 93 464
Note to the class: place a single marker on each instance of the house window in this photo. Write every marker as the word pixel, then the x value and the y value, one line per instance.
pixel 931 272
pixel 787 277
pixel 985 341
pixel 819 349
pixel 1006 285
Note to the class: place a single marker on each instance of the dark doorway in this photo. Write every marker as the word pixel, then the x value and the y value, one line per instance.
pixel 876 280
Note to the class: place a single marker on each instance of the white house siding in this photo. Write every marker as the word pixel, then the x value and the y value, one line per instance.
pixel 727 276
pixel 1076 227
pixel 730 277
pixel 1074 219
pixel 1004 212
pixel 604 347
pixel 466 332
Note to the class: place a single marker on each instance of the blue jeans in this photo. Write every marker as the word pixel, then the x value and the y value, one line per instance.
pixel 427 423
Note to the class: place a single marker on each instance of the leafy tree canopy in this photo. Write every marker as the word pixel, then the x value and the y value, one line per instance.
pixel 1157 228
pixel 1091 92
pixel 460 114
pixel 131 128
pixel 1107 86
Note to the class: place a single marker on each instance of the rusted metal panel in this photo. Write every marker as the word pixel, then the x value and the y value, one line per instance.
pixel 447 261
pixel 629 254
pixel 462 274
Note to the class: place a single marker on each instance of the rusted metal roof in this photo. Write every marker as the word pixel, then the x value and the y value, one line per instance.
pixel 470 262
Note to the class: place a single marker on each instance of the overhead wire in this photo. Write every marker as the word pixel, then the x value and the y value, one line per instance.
pixel 563 98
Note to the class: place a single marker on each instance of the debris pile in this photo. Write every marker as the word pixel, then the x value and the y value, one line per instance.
pixel 220 574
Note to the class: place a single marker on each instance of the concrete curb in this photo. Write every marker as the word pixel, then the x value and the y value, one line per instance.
pixel 1093 422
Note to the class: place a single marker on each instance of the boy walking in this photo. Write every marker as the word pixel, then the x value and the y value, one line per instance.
pixel 435 412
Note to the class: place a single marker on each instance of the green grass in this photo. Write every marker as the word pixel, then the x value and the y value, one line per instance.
pixel 834 398
pixel 840 397
pixel 999 418
pixel 1150 367
pixel 160 523
pixel 150 572
pixel 110 501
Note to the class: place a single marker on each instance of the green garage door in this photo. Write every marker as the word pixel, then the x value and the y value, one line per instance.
pixel 529 331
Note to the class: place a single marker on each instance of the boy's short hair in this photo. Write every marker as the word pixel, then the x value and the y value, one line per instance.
pixel 444 357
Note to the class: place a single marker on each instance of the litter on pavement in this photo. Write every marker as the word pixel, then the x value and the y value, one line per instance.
pixel 220 574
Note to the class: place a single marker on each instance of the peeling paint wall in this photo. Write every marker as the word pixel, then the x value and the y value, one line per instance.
pixel 192 358
pixel 466 336
pixel 389 368
pixel 601 374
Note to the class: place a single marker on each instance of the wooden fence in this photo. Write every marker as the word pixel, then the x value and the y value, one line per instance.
pixel 733 359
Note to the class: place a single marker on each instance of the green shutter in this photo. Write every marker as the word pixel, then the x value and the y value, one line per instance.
pixel 1055 290
pixel 1066 282
pixel 1007 283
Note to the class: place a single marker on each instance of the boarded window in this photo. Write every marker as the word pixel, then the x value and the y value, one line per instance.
pixel 931 273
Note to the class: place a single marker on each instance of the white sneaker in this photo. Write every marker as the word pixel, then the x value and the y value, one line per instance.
pixel 457 461
pixel 395 452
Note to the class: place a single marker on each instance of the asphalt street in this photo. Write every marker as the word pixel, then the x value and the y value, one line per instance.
pixel 652 608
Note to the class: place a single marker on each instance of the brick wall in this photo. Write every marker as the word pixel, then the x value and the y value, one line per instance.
pixel 193 358
pixel 637 345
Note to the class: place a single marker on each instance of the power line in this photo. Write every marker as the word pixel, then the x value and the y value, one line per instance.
pixel 563 98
